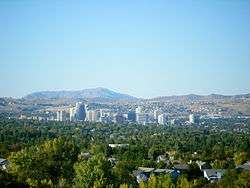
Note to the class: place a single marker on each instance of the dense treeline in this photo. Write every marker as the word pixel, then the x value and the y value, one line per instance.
pixel 48 154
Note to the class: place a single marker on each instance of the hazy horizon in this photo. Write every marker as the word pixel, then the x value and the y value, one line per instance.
pixel 145 48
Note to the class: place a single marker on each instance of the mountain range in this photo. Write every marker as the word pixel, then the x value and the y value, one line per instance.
pixel 94 93
pixel 106 94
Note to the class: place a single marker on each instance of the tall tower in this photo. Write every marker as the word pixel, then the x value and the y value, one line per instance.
pixel 138 110
pixel 61 115
pixel 194 119
pixel 156 114
pixel 162 119
pixel 80 112
pixel 72 114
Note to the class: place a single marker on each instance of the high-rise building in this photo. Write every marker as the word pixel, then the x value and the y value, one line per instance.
pixel 156 114
pixel 80 112
pixel 138 110
pixel 119 118
pixel 142 118
pixel 61 115
pixel 93 115
pixel 89 115
pixel 131 116
pixel 58 116
pixel 97 115
pixel 162 119
pixel 194 119
pixel 72 114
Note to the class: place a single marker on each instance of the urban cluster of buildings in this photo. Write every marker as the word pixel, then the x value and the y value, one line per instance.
pixel 80 112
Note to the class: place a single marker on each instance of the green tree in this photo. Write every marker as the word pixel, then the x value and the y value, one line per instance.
pixel 44 163
pixel 96 172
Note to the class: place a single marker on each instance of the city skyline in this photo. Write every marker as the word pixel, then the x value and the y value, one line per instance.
pixel 144 49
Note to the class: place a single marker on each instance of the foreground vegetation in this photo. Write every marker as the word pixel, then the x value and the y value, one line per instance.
pixel 48 154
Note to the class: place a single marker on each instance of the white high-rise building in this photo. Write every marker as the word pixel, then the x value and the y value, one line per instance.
pixel 93 115
pixel 61 115
pixel 96 115
pixel 138 110
pixel 194 119
pixel 89 116
pixel 162 119
pixel 156 114
pixel 72 114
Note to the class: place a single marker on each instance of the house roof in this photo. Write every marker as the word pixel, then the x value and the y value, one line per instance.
pixel 163 170
pixel 160 170
pixel 245 166
pixel 181 167
pixel 2 160
pixel 214 172
pixel 146 170
pixel 137 172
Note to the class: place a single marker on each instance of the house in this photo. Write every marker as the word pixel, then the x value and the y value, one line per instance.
pixel 146 170
pixel 142 174
pixel 162 158
pixel 213 174
pixel 245 166
pixel 181 167
pixel 162 171
pixel 3 164
pixel 175 161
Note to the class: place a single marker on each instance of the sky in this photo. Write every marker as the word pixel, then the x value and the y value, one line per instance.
pixel 138 47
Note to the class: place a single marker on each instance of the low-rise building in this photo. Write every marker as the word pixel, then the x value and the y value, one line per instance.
pixel 213 174
pixel 4 164
pixel 245 166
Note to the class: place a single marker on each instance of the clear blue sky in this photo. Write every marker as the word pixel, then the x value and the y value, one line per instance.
pixel 143 48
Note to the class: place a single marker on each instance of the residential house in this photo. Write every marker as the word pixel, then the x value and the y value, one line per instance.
pixel 213 174
pixel 245 166
pixel 162 158
pixel 181 167
pixel 4 164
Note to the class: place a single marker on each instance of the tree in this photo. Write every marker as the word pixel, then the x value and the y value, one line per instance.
pixel 122 172
pixel 48 162
pixel 240 157
pixel 123 186
pixel 182 182
pixel 96 172
pixel 153 182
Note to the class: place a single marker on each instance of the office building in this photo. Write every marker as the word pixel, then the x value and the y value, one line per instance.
pixel 61 115
pixel 93 115
pixel 131 116
pixel 194 119
pixel 78 113
pixel 72 114
pixel 156 114
pixel 162 119
pixel 138 110
pixel 142 118
pixel 119 118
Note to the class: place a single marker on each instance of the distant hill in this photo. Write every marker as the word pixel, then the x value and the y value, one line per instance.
pixel 100 94
pixel 193 97
pixel 95 93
